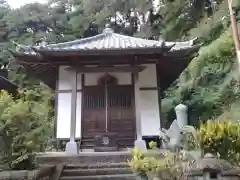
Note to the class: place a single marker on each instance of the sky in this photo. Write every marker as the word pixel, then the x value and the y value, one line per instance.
pixel 19 3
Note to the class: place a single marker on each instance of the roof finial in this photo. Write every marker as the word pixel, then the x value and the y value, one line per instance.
pixel 108 29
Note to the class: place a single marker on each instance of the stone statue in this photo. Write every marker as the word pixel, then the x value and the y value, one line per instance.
pixel 172 138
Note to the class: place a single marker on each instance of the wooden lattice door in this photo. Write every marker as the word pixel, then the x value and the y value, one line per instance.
pixel 109 107
pixel 121 116
pixel 94 108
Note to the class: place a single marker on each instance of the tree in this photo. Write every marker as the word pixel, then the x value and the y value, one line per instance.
pixel 26 126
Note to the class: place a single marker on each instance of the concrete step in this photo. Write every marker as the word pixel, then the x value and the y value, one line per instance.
pixel 96 165
pixel 101 177
pixel 95 172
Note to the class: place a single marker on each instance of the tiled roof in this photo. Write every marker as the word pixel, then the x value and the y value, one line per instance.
pixel 181 45
pixel 108 40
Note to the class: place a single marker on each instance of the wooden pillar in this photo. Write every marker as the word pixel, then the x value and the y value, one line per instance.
pixel 137 106
pixel 71 146
pixel 73 107
pixel 139 143
pixel 162 124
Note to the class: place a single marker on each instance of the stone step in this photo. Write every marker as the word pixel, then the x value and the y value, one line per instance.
pixel 96 165
pixel 94 172
pixel 87 158
pixel 101 177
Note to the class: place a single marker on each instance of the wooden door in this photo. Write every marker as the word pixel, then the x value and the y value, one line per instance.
pixel 109 107
pixel 94 111
pixel 121 116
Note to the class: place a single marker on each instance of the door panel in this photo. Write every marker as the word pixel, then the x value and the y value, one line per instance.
pixel 120 111
pixel 94 108
pixel 121 116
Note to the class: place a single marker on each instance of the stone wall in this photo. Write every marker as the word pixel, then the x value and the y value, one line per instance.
pixel 213 168
pixel 44 173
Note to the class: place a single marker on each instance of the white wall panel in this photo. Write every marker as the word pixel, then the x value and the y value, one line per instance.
pixel 64 80
pixel 148 77
pixel 150 119
pixel 64 115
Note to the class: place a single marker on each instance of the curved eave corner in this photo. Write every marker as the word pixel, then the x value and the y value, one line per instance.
pixel 177 64
pixel 7 85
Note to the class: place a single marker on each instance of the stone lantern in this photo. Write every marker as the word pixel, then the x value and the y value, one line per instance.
pixel 212 168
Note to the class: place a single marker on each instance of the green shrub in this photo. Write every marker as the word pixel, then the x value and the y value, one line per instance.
pixel 165 166
pixel 221 138
pixel 25 128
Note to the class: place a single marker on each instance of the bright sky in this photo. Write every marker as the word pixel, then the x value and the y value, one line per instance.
pixel 19 3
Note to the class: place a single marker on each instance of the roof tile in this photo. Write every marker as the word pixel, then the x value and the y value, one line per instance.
pixel 108 40
pixel 105 41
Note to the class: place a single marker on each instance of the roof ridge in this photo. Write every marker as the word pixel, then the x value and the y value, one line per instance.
pixel 96 37
pixel 137 38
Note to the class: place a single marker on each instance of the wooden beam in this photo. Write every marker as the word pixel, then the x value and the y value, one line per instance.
pixel 132 69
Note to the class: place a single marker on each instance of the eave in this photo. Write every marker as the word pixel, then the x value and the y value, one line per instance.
pixel 7 85
pixel 170 64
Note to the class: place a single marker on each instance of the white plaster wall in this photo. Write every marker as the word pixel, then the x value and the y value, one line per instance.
pixel 150 119
pixel 63 115
pixel 148 77
pixel 123 78
pixel 64 104
pixel 65 79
